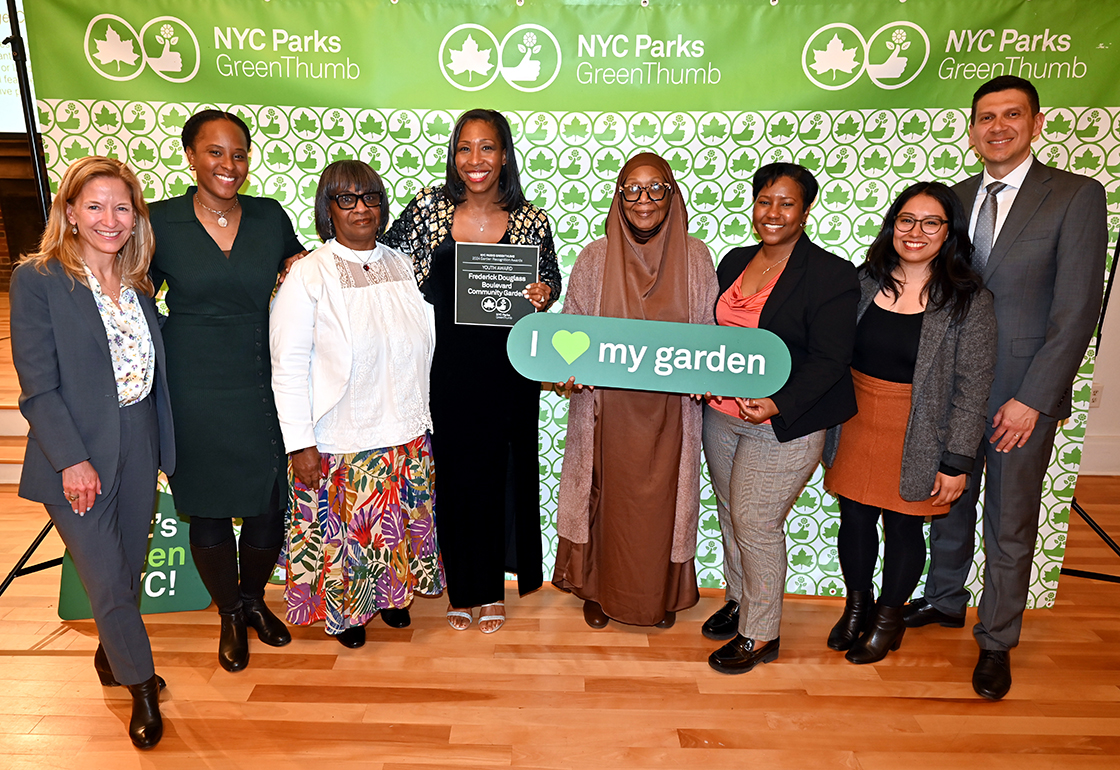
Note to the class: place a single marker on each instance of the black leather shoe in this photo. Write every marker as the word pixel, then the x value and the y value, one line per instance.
pixel 723 624
pixel 396 618
pixel 145 728
pixel 105 672
pixel 233 645
pixel 270 629
pixel 921 613
pixel 858 610
pixel 741 654
pixel 353 637
pixel 884 636
pixel 992 676
pixel 668 621
pixel 593 614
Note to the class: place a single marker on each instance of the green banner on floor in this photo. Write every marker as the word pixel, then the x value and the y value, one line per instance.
pixel 170 582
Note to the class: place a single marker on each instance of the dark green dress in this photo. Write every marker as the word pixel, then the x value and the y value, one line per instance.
pixel 219 374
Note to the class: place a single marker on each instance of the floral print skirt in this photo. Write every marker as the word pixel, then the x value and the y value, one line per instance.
pixel 366 540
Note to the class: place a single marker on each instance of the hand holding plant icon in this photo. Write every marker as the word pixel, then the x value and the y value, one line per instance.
pixel 527 69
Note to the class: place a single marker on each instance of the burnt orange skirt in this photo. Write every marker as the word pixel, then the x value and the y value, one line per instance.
pixel 868 462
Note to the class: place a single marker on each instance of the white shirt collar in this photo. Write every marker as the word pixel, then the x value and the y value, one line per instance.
pixel 1014 178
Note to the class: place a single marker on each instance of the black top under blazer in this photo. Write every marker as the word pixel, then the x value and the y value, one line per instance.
pixel 812 308
pixel 68 389
pixel 949 393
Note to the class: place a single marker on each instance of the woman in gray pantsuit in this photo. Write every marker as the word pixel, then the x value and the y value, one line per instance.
pixel 923 365
pixel 762 451
pixel 88 353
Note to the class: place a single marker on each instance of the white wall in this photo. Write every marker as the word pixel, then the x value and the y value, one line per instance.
pixel 1101 455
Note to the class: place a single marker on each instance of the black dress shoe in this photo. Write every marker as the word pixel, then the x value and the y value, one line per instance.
pixel 921 613
pixel 396 618
pixel 145 728
pixel 884 636
pixel 105 672
pixel 593 614
pixel 668 621
pixel 723 624
pixel 233 644
pixel 859 608
pixel 270 629
pixel 741 654
pixel 353 637
pixel 992 676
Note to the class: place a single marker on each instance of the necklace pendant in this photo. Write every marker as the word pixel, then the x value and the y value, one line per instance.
pixel 365 267
pixel 222 222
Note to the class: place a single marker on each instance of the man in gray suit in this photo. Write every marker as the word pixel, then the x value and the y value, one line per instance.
pixel 1040 238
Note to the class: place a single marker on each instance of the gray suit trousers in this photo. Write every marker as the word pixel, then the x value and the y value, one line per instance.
pixel 110 543
pixel 1012 504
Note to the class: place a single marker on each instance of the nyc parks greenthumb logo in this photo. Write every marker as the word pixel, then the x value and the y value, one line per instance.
pixel 649 355
pixel 837 55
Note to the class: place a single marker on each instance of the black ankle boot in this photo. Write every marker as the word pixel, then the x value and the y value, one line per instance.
pixel 884 636
pixel 233 644
pixel 145 728
pixel 217 566
pixel 256 568
pixel 105 671
pixel 858 609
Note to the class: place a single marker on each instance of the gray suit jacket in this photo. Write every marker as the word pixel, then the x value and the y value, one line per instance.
pixel 68 391
pixel 1046 270
pixel 948 400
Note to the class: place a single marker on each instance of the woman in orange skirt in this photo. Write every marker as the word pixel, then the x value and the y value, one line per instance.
pixel 922 368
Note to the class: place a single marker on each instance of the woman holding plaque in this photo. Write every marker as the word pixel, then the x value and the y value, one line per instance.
pixel 87 350
pixel 487 488
pixel 923 365
pixel 762 451
pixel 630 482
pixel 221 254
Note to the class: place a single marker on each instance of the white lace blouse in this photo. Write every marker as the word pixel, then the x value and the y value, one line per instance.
pixel 352 341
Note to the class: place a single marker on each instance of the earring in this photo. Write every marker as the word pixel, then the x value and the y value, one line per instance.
pixel 191 167
pixel 74 229
pixel 134 231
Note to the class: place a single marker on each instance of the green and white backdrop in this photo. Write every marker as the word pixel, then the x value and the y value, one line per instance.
pixel 870 95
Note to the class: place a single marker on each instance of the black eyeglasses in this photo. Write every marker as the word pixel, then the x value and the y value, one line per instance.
pixel 930 225
pixel 347 201
pixel 632 193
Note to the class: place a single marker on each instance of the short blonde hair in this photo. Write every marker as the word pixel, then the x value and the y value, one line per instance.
pixel 59 243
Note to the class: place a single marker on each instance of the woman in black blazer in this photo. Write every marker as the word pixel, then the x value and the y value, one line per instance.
pixel 89 356
pixel 923 364
pixel 761 451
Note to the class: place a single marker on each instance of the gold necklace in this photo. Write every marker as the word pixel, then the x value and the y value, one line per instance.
pixel 222 221
pixel 780 261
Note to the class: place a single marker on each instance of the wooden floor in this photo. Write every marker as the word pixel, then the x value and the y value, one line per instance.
pixel 548 692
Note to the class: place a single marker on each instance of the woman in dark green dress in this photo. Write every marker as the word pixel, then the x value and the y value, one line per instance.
pixel 220 254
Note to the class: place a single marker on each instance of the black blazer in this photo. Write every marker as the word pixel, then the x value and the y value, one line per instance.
pixel 68 391
pixel 813 310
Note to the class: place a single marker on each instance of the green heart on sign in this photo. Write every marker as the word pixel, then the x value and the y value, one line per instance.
pixel 570 346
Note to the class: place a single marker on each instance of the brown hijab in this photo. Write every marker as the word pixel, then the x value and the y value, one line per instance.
pixel 646 274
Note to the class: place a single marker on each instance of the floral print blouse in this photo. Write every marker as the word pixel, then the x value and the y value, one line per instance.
pixel 130 342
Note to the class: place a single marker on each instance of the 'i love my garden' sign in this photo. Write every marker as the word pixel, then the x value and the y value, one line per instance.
pixel 649 355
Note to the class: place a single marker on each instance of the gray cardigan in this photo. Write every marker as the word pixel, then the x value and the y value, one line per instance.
pixel 948 404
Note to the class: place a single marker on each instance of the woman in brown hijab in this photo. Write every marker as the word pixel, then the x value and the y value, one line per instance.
pixel 630 484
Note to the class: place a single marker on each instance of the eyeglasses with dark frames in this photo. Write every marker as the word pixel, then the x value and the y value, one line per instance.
pixel 632 193
pixel 930 225
pixel 347 201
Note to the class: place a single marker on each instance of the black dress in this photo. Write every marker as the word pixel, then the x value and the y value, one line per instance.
pixel 485 416
pixel 219 373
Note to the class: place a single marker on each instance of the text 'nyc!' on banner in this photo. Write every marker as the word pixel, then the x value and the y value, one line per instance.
pixel 551 54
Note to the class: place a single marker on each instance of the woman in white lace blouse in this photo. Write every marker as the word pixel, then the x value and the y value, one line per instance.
pixel 352 341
